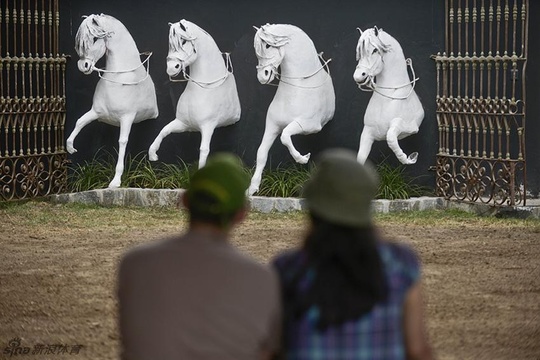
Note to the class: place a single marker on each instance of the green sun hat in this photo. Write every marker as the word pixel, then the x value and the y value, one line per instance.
pixel 341 189
pixel 219 188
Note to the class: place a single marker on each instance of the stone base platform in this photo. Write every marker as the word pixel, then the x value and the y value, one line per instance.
pixel 169 198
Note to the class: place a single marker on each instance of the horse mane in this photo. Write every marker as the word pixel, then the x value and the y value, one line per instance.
pixel 90 28
pixel 180 31
pixel 264 35
pixel 370 36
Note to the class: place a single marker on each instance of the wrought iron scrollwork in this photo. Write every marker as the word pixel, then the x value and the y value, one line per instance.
pixel 481 102
pixel 479 180
pixel 32 176
pixel 32 101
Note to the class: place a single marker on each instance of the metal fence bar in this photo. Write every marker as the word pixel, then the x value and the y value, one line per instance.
pixel 32 100
pixel 481 102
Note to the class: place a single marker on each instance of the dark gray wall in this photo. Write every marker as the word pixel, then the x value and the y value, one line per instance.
pixel 417 25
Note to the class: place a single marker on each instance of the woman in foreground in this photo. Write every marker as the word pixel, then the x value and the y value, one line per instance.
pixel 347 294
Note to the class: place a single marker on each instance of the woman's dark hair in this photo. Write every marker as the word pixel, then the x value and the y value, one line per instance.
pixel 348 274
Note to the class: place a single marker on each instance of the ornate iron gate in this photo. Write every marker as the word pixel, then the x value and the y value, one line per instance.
pixel 32 100
pixel 481 102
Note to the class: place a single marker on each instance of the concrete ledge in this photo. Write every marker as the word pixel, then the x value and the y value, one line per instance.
pixel 169 198
pixel 531 211
pixel 412 204
pixel 121 197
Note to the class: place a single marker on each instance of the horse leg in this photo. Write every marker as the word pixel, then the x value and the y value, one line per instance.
pixel 392 140
pixel 270 134
pixel 366 141
pixel 174 126
pixel 204 150
pixel 84 120
pixel 125 129
pixel 293 128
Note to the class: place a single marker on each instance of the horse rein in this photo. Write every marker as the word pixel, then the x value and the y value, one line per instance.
pixel 281 77
pixel 103 71
pixel 370 85
pixel 209 84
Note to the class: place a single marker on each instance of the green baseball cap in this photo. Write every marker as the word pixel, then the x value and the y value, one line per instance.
pixel 219 188
pixel 341 189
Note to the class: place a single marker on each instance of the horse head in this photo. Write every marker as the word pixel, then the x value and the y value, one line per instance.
pixel 91 41
pixel 269 48
pixel 370 52
pixel 182 51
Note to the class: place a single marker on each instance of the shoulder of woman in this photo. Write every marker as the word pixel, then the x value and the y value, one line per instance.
pixel 289 262
pixel 400 258
pixel 399 251
pixel 288 257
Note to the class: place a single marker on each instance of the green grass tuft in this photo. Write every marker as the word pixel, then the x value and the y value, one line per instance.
pixel 394 184
pixel 138 172
pixel 282 181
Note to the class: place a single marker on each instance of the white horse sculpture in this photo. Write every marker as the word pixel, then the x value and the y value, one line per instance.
pixel 394 110
pixel 304 101
pixel 125 93
pixel 210 98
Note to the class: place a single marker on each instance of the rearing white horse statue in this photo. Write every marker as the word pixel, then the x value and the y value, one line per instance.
pixel 125 93
pixel 394 110
pixel 210 98
pixel 304 101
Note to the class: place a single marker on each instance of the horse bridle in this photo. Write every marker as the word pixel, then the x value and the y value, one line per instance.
pixel 189 56
pixel 203 84
pixel 280 77
pixel 103 71
pixel 100 72
pixel 369 84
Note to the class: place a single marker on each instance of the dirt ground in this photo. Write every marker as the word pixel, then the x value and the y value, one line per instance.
pixel 58 270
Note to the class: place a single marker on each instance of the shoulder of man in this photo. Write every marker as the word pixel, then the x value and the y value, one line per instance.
pixel 251 263
pixel 144 251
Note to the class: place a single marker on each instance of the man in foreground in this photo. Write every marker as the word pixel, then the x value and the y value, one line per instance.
pixel 194 296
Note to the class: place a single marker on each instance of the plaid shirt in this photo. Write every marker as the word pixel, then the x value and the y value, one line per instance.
pixel 375 336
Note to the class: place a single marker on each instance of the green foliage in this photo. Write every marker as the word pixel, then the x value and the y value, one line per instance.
pixel 394 184
pixel 138 172
pixel 284 182
pixel 92 174
pixel 141 173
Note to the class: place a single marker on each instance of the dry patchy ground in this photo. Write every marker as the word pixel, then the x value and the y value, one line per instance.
pixel 58 267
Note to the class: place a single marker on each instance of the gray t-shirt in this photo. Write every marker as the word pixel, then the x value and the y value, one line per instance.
pixel 192 297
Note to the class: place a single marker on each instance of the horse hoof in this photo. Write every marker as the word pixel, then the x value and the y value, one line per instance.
pixel 114 184
pixel 152 156
pixel 303 159
pixel 252 190
pixel 412 158
pixel 70 149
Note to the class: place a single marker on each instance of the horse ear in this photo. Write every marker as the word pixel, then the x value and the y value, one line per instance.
pixel 170 24
pixel 376 31
pixel 256 28
pixel 360 31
